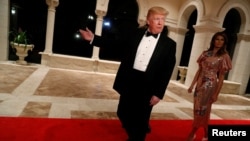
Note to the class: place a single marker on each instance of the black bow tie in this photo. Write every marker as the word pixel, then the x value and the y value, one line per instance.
pixel 151 34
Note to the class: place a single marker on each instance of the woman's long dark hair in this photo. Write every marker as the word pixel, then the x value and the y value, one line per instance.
pixel 223 49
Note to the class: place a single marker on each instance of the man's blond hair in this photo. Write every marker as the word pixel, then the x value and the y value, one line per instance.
pixel 157 10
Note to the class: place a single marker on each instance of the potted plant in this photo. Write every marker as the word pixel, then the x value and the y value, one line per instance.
pixel 21 44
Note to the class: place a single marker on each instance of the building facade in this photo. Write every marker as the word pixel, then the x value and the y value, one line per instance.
pixel 232 16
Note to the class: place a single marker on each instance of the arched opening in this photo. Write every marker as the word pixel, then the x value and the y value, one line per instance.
pixel 121 18
pixel 248 87
pixel 29 16
pixel 67 25
pixel 232 24
pixel 188 41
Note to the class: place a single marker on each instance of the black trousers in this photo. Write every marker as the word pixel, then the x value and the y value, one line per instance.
pixel 134 109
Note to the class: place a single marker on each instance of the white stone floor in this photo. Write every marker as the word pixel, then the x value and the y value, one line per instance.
pixel 39 91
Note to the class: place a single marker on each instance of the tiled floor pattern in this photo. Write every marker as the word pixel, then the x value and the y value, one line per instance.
pixel 38 91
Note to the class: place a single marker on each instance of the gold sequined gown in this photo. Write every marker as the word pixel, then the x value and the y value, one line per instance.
pixel 206 85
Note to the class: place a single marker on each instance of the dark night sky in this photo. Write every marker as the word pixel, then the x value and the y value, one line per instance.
pixel 70 16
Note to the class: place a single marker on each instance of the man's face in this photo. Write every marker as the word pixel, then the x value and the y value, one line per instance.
pixel 156 23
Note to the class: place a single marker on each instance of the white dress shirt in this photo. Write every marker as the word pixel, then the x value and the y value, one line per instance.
pixel 144 52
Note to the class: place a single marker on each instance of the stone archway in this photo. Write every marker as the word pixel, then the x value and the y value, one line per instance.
pixel 188 41
pixel 241 70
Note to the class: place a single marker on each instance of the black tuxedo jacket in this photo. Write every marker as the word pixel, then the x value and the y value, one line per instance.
pixel 160 67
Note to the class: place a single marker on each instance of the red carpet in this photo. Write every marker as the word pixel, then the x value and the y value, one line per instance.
pixel 47 129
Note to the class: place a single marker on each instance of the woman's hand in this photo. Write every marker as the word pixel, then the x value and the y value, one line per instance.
pixel 214 98
pixel 190 89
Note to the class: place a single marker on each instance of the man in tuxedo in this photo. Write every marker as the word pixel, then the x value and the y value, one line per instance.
pixel 144 72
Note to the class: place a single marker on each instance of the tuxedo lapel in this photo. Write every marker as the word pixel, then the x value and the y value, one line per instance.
pixel 158 51
pixel 137 41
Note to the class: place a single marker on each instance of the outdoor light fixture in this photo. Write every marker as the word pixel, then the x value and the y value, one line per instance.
pixel 77 35
pixel 106 23
pixel 13 10
pixel 90 17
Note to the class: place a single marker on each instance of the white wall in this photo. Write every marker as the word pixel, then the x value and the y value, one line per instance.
pixel 4 29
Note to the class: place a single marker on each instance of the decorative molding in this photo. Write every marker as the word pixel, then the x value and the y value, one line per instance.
pixel 210 19
pixel 243 37
pixel 173 29
pixel 142 22
pixel 182 31
pixel 52 3
pixel 102 5
pixel 100 13
pixel 207 28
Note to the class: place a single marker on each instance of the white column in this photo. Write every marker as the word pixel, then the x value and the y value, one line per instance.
pixel 98 31
pixel 180 37
pixel 50 25
pixel 241 66
pixel 141 22
pixel 101 10
pixel 202 38
pixel 4 30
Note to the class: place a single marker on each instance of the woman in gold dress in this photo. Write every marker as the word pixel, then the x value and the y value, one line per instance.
pixel 213 63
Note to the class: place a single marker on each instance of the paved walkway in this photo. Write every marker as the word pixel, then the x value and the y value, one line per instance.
pixel 39 91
